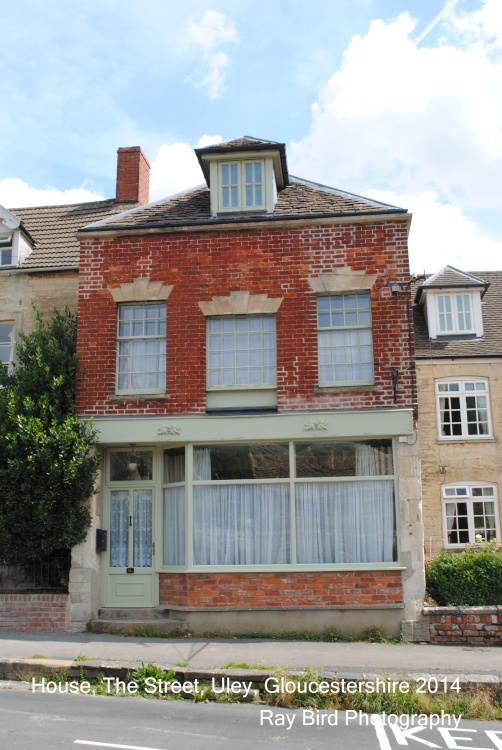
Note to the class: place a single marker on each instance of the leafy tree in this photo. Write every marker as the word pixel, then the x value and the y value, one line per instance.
pixel 47 470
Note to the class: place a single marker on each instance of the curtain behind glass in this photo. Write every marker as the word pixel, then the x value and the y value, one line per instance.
pixel 241 524
pixel 174 526
pixel 119 532
pixel 142 528
pixel 349 522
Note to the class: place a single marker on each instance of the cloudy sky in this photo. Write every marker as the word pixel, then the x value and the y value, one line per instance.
pixel 399 100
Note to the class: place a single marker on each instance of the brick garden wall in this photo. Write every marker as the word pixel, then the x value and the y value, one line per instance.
pixel 34 612
pixel 273 261
pixel 276 590
pixel 475 625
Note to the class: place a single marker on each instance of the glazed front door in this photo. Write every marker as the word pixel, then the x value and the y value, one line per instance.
pixel 130 556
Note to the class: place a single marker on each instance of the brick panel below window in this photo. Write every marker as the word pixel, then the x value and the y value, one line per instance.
pixel 275 590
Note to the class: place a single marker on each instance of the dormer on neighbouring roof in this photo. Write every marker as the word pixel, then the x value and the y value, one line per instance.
pixel 452 304
pixel 244 175
pixel 15 242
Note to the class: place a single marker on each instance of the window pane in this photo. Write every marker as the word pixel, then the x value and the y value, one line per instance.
pixel 241 524
pixel 344 459
pixel 345 338
pixel 174 526
pixel 241 461
pixel 349 522
pixel 248 351
pixel 133 465
pixel 174 465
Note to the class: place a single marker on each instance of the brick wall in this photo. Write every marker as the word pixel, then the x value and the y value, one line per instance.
pixel 272 261
pixel 475 625
pixel 275 590
pixel 34 612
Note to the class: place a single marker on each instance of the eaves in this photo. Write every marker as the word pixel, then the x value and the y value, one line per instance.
pixel 239 223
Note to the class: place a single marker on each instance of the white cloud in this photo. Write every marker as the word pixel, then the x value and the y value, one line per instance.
pixel 212 29
pixel 214 81
pixel 441 234
pixel 15 193
pixel 175 168
pixel 416 120
pixel 208 33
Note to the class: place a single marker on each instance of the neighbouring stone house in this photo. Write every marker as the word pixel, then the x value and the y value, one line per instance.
pixel 249 364
pixel 39 250
pixel 458 334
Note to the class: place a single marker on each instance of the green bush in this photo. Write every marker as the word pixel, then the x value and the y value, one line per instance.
pixel 47 468
pixel 472 578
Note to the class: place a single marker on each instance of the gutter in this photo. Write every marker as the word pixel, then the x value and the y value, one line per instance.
pixel 246 222
pixel 48 269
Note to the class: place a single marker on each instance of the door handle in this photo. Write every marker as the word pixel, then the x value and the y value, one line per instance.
pixel 130 520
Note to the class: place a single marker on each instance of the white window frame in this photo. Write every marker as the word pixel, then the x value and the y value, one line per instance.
pixel 463 389
pixel 6 345
pixel 463 492
pixel 358 326
pixel 160 353
pixel 433 313
pixel 457 301
pixel 231 322
pixel 7 251
pixel 241 185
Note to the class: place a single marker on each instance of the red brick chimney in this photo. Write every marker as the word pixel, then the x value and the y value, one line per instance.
pixel 133 176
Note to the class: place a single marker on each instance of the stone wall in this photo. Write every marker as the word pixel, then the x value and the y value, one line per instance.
pixel 27 612
pixel 475 625
pixel 470 460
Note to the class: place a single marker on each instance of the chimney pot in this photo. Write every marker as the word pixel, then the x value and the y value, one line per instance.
pixel 133 176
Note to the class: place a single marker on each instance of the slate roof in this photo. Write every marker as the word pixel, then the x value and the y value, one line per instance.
pixel 300 199
pixel 449 276
pixel 491 343
pixel 53 229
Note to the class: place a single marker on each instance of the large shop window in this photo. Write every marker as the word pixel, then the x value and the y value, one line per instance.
pixel 270 504
pixel 141 349
pixel 345 341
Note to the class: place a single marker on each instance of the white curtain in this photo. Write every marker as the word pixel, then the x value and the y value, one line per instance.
pixel 373 461
pixel 142 500
pixel 345 522
pixel 174 526
pixel 119 533
pixel 201 464
pixel 241 524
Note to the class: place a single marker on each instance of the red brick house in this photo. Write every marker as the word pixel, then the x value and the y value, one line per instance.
pixel 248 363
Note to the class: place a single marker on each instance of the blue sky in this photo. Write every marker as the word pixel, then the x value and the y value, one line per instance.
pixel 395 99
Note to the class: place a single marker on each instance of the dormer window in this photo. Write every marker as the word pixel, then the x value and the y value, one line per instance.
pixel 455 313
pixel 244 175
pixel 6 251
pixel 241 185
pixel 452 304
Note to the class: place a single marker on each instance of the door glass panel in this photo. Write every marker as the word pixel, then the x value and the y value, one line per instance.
pixel 131 466
pixel 142 500
pixel 119 530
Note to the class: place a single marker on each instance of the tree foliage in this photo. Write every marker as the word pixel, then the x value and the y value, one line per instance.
pixel 47 471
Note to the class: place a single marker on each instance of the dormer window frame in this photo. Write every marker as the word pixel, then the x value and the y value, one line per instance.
pixel 449 305
pixel 268 184
pixel 238 190
pixel 7 250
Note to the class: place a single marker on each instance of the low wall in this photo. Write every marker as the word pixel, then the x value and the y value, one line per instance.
pixel 474 625
pixel 48 612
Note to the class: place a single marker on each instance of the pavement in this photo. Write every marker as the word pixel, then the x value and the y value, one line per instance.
pixel 49 652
